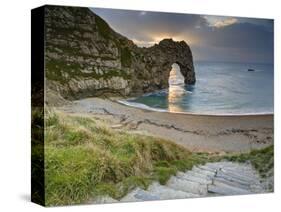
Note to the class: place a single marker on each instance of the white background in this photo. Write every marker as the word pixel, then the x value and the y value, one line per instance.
pixel 15 103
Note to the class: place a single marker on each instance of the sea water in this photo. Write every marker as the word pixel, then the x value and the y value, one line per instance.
pixel 221 89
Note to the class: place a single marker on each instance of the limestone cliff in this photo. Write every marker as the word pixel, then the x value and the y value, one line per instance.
pixel 85 57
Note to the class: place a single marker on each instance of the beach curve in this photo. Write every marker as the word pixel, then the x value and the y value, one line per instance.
pixel 198 133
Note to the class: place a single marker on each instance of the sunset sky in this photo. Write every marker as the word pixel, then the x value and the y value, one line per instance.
pixel 211 38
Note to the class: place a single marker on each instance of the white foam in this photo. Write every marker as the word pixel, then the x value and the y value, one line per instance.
pixel 141 106
pixel 145 107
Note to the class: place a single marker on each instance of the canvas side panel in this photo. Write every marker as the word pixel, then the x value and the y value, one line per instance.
pixel 37 106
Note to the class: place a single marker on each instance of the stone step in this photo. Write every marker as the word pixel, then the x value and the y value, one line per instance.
pixel 242 176
pixel 203 171
pixel 231 166
pixel 199 174
pixel 208 168
pixel 215 165
pixel 211 179
pixel 232 178
pixel 191 177
pixel 222 181
pixel 228 165
pixel 224 189
pixel 187 186
pixel 246 170
pixel 165 192
pixel 139 194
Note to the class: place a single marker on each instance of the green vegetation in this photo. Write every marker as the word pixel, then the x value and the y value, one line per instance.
pixel 103 27
pixel 55 68
pixel 126 59
pixel 84 159
pixel 262 160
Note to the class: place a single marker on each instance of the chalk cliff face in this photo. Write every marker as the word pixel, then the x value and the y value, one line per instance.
pixel 84 57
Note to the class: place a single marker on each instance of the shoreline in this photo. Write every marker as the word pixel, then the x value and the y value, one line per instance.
pixel 148 108
pixel 198 133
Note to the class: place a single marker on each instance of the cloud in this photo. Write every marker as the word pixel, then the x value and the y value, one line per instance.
pixel 224 22
pixel 240 41
pixel 243 35
pixel 146 26
pixel 143 43
pixel 210 37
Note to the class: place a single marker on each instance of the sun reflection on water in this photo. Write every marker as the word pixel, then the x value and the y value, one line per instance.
pixel 175 95
pixel 176 89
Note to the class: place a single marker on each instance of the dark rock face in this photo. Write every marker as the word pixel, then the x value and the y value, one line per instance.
pixel 163 56
pixel 85 57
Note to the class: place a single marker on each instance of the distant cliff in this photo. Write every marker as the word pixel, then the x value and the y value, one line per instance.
pixel 84 57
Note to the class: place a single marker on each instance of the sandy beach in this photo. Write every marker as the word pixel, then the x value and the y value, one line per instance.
pixel 199 133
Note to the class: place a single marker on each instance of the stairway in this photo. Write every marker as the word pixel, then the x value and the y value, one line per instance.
pixel 211 179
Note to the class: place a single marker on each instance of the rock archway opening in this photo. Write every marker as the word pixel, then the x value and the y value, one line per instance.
pixel 176 77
